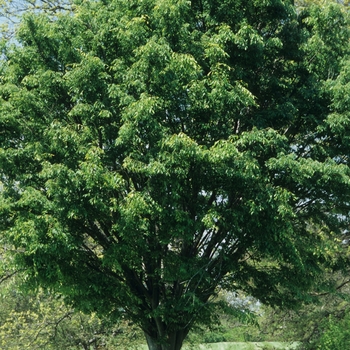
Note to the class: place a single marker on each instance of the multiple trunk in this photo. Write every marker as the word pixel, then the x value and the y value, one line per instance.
pixel 173 341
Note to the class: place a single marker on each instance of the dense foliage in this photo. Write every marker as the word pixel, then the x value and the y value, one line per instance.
pixel 154 152
pixel 41 320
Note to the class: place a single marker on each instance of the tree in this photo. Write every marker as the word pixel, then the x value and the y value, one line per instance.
pixel 308 323
pixel 336 335
pixel 41 320
pixel 12 10
pixel 302 4
pixel 156 152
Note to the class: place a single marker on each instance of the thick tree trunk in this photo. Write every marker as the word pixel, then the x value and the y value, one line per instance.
pixel 174 341
pixel 152 343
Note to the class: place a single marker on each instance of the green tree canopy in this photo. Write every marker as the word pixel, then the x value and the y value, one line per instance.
pixel 154 152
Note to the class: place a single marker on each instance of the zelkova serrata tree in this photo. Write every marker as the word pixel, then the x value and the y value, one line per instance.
pixel 154 152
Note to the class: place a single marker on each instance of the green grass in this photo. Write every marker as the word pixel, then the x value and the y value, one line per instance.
pixel 247 346
pixel 240 346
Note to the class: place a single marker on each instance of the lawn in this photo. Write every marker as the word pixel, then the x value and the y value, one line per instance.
pixel 241 346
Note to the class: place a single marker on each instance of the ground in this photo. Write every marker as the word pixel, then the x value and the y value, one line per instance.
pixel 241 346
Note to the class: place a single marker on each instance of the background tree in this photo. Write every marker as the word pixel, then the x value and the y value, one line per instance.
pixel 12 9
pixel 308 323
pixel 41 320
pixel 11 12
pixel 155 152
pixel 302 4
